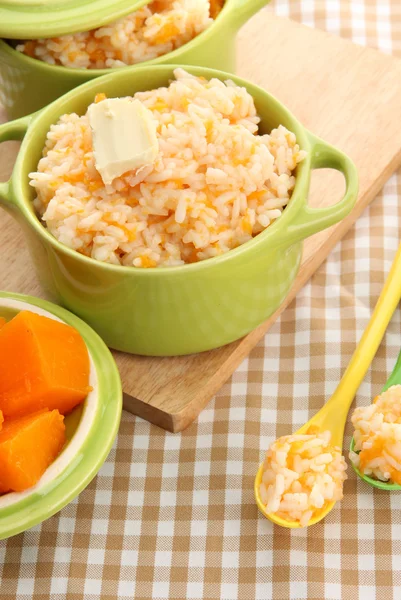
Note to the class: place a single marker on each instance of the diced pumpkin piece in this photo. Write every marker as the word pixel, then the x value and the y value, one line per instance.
pixel 44 364
pixel 2 322
pixel 28 445
pixel 215 7
pixel 1 420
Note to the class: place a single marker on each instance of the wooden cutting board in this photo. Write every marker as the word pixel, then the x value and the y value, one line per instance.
pixel 348 95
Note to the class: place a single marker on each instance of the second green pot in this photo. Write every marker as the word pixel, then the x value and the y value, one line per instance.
pixel 28 84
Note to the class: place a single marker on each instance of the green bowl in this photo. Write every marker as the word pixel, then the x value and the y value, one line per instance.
pixel 190 308
pixel 91 429
pixel 28 84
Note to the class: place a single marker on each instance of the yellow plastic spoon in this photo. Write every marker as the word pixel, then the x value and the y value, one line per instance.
pixel 333 415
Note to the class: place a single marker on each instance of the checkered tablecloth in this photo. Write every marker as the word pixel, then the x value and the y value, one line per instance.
pixel 173 516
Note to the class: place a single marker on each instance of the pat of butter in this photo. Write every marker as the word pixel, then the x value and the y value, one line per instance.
pixel 124 136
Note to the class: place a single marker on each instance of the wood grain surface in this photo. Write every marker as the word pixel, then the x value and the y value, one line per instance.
pixel 348 95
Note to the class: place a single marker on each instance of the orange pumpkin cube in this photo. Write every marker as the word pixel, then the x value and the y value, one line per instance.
pixel 1 420
pixel 28 445
pixel 44 364
pixel 2 322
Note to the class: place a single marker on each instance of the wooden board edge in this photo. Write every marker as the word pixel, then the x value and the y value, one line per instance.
pixel 150 413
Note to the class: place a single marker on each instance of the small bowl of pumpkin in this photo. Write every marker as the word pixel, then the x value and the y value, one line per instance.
pixel 60 409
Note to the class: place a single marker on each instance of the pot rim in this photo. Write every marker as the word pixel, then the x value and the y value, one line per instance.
pixel 297 200
pixel 229 15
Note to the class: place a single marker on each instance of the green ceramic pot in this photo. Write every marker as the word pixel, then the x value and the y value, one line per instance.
pixel 185 309
pixel 91 429
pixel 27 84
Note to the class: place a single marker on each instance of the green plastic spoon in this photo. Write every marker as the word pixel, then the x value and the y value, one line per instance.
pixel 394 379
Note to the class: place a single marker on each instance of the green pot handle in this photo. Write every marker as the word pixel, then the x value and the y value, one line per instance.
pixel 12 130
pixel 311 220
pixel 243 10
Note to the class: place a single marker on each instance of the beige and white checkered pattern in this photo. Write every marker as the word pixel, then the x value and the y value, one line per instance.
pixel 173 516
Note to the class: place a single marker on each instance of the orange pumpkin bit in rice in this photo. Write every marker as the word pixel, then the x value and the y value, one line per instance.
pixel 99 97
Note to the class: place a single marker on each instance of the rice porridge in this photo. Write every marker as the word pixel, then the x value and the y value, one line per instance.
pixel 214 185
pixel 377 436
pixel 301 474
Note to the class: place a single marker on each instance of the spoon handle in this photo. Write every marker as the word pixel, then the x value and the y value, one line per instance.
pixel 371 339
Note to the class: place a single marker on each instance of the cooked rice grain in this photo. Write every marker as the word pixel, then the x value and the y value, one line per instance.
pixel 302 474
pixel 151 31
pixel 215 183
